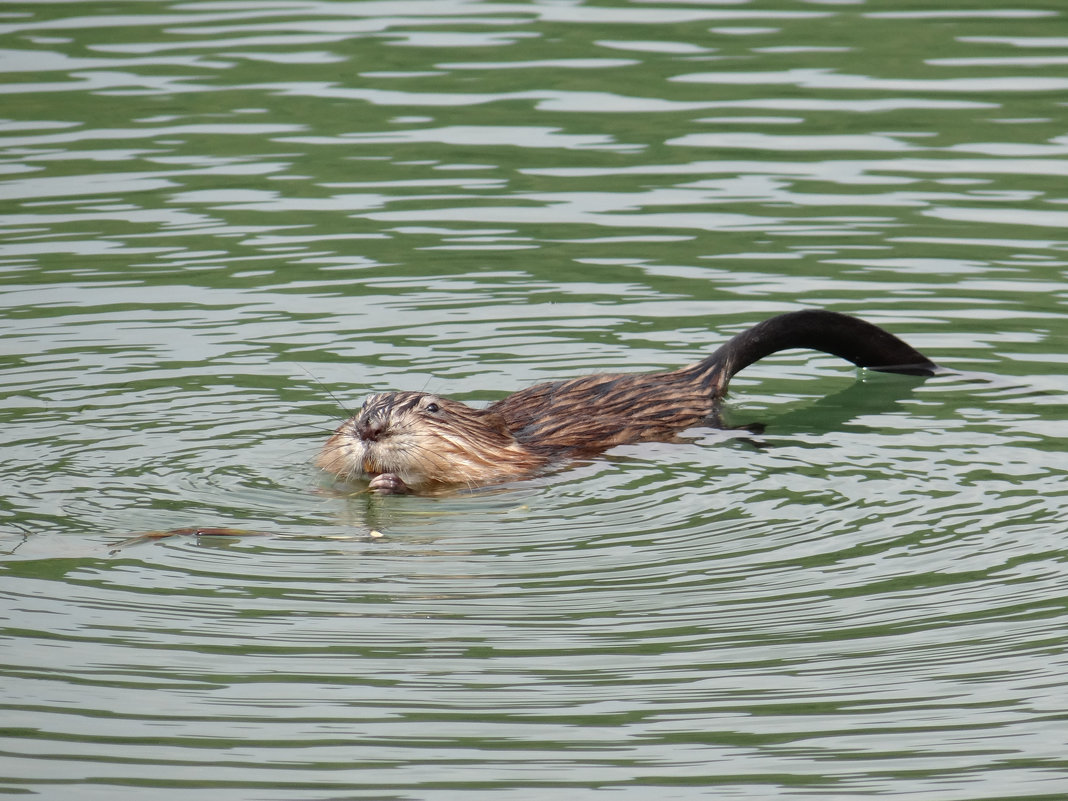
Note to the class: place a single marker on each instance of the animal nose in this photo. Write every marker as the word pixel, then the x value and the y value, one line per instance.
pixel 370 429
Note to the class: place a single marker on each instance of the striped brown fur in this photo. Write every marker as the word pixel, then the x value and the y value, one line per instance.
pixel 416 440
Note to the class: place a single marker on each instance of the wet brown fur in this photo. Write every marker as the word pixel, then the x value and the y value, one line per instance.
pixel 424 439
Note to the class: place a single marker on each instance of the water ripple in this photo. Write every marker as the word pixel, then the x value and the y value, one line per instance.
pixel 224 222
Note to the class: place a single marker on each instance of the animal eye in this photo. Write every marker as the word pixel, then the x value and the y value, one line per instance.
pixel 432 408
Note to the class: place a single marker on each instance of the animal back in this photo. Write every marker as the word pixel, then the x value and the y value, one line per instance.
pixel 596 412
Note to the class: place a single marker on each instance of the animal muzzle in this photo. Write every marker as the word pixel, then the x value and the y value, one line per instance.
pixel 370 429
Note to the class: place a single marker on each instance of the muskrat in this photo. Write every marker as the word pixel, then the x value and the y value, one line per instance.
pixel 418 440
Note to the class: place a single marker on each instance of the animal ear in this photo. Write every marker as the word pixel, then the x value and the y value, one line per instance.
pixel 496 422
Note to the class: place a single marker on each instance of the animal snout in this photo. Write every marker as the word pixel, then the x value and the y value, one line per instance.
pixel 370 429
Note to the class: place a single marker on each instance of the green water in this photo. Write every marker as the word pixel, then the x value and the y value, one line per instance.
pixel 221 222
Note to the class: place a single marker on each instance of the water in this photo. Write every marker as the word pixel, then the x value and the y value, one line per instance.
pixel 216 215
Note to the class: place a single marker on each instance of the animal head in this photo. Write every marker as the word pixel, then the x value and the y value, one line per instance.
pixel 423 439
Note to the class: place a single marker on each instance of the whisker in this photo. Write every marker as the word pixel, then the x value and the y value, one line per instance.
pixel 317 429
pixel 325 389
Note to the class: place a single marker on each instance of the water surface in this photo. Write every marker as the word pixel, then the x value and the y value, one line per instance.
pixel 222 223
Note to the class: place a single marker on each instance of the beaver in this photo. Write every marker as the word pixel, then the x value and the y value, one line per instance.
pixel 404 441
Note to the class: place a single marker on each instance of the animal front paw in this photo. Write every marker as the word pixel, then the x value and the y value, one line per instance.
pixel 388 484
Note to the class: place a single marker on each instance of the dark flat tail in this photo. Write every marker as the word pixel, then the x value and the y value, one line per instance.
pixel 853 339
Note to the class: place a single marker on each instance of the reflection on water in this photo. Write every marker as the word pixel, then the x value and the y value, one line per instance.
pixel 222 223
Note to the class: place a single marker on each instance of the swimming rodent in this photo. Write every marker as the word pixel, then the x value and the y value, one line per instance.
pixel 417 441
